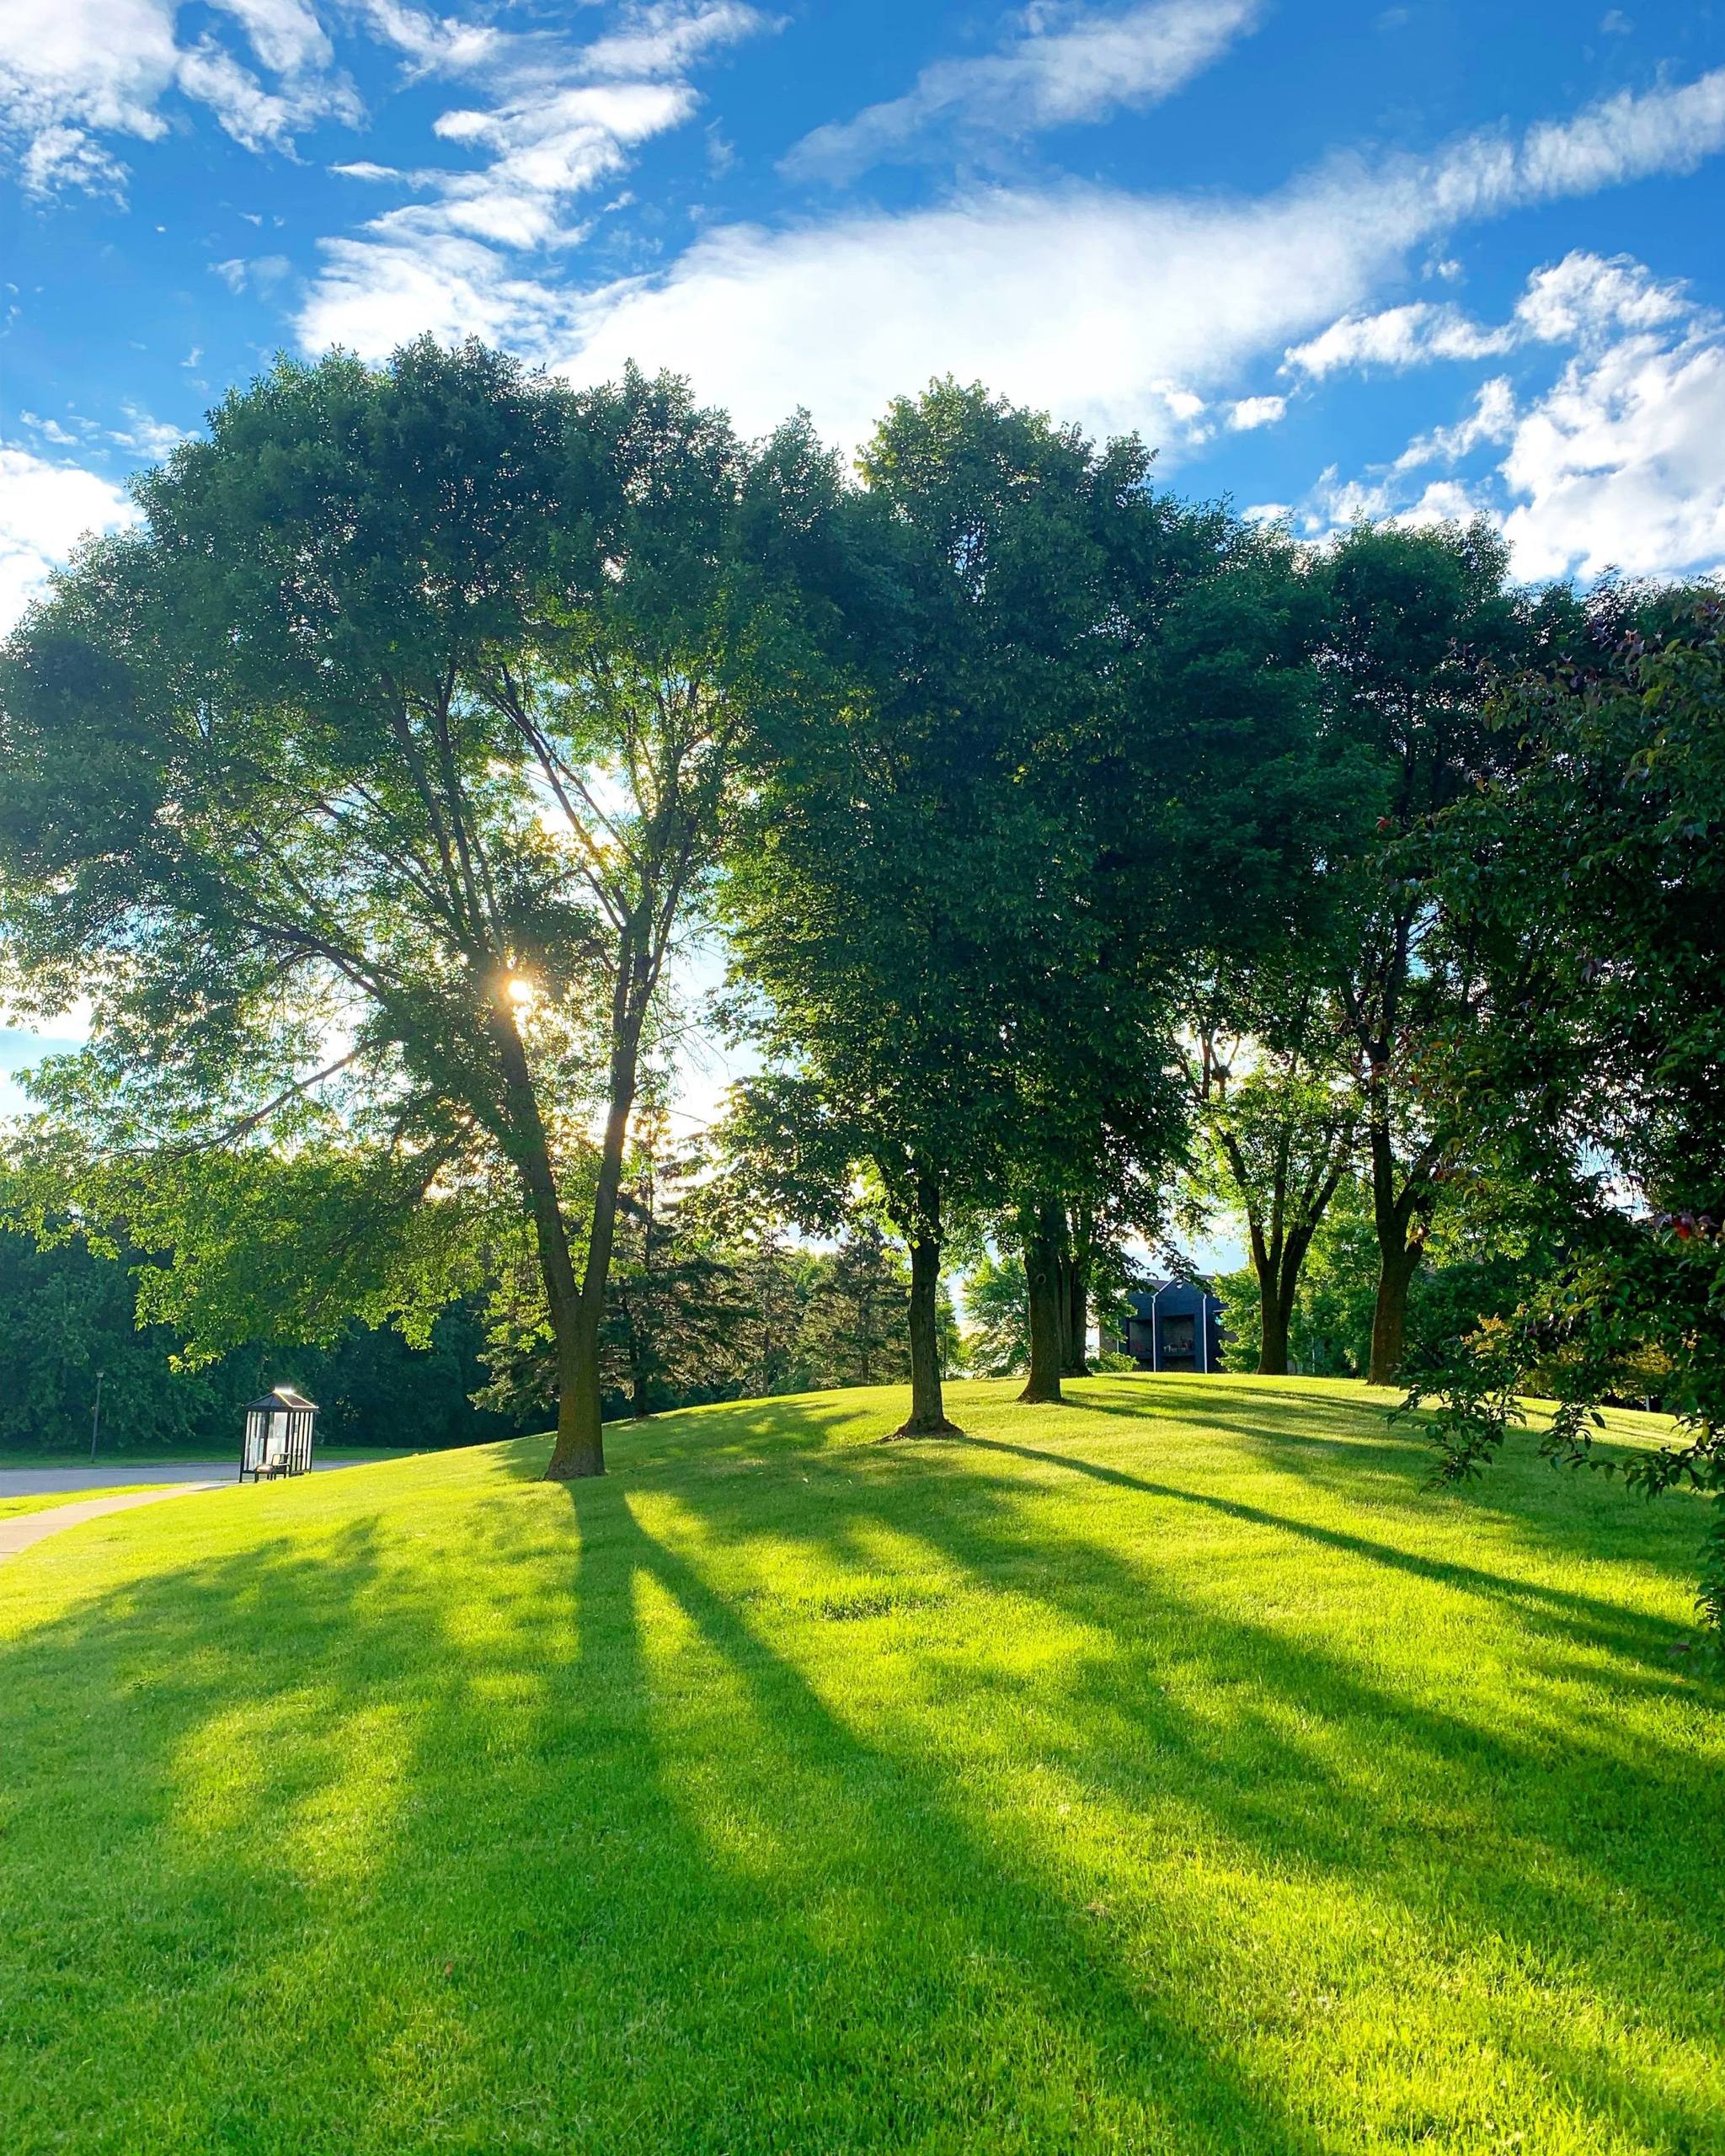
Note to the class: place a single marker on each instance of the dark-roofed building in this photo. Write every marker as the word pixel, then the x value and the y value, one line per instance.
pixel 1174 1325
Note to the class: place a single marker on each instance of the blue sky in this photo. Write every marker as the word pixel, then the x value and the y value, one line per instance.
pixel 1415 259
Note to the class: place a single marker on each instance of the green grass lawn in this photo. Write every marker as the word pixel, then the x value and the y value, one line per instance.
pixel 11 1507
pixel 1165 1773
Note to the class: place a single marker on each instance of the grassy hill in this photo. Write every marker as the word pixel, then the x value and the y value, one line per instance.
pixel 1163 1773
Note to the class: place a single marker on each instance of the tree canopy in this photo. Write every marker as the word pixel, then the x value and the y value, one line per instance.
pixel 364 788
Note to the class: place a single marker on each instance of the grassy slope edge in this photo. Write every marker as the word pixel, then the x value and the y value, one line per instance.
pixel 1168 1772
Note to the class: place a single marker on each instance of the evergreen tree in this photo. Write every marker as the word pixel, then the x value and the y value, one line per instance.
pixel 856 1329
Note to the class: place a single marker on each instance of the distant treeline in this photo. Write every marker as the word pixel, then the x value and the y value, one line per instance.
pixel 685 1326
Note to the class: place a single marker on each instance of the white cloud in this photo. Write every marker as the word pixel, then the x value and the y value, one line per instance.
pixel 392 283
pixel 1395 336
pixel 1664 130
pixel 74 71
pixel 44 510
pixel 71 67
pixel 1622 463
pixel 666 40
pixel 49 429
pixel 1492 419
pixel 146 437
pixel 1619 462
pixel 60 157
pixel 438 266
pixel 1334 504
pixel 1586 296
pixel 103 63
pixel 1075 65
pixel 545 147
pixel 286 36
pixel 243 107
pixel 1257 412
pixel 438 45
pixel 256 118
pixel 1114 309
pixel 1101 304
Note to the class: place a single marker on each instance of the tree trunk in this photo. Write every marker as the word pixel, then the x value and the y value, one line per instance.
pixel 927 1417
pixel 1398 1255
pixel 1042 1228
pixel 1274 1310
pixel 579 1449
pixel 1389 1317
pixel 1074 1309
pixel 1278 1282
pixel 638 1377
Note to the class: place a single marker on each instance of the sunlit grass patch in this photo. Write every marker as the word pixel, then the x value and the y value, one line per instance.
pixel 1168 1771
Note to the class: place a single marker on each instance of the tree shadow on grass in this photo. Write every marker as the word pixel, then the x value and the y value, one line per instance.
pixel 330 1849
pixel 611 1817
pixel 1523 1840
pixel 933 1988
pixel 1363 1451
pixel 1583 1618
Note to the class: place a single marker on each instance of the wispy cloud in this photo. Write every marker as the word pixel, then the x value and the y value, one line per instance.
pixel 668 39
pixel 1073 65
pixel 558 121
pixel 1122 310
pixel 78 77
pixel 259 273
pixel 285 34
pixel 1492 419
pixel 257 118
pixel 1394 337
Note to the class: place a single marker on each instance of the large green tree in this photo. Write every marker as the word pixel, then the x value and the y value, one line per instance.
pixel 1415 626
pixel 1591 879
pixel 856 1329
pixel 996 1302
pixel 1077 750
pixel 1212 806
pixel 904 906
pixel 364 786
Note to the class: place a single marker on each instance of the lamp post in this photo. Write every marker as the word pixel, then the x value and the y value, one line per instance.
pixel 96 1414
pixel 1154 1346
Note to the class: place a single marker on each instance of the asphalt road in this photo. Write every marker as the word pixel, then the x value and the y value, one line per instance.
pixel 128 1475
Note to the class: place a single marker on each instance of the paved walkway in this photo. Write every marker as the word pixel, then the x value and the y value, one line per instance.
pixel 129 1475
pixel 16 1535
